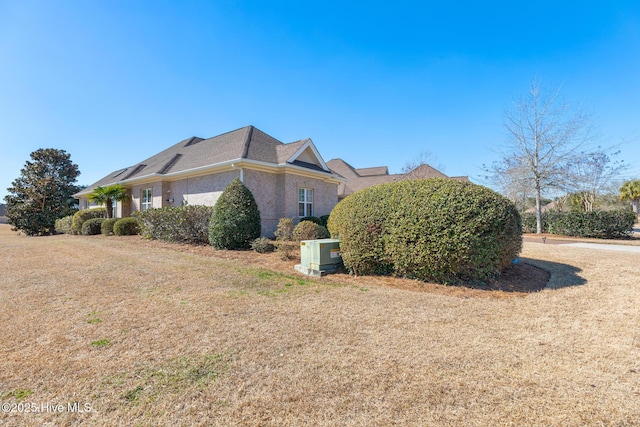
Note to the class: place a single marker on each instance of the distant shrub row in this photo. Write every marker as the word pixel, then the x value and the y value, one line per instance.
pixel 182 224
pixel 89 222
pixel 601 224
pixel 435 230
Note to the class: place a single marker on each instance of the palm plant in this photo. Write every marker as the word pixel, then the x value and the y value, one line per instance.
pixel 106 196
pixel 630 191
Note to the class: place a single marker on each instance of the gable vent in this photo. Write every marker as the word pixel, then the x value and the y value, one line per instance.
pixel 170 164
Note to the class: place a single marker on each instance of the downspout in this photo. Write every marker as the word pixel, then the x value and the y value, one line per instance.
pixel 233 165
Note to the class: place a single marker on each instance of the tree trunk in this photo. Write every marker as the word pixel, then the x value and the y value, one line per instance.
pixel 109 205
pixel 538 211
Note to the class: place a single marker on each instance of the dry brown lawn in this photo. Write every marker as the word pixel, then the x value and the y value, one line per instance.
pixel 146 333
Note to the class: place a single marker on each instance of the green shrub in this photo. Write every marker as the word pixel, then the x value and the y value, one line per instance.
pixel 126 227
pixel 236 219
pixel 81 216
pixel 63 225
pixel 92 226
pixel 434 230
pixel 307 230
pixel 182 224
pixel 107 226
pixel 263 245
pixel 313 219
pixel 285 229
pixel 599 224
pixel 529 224
pixel 324 219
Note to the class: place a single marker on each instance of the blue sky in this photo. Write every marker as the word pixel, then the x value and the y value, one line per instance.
pixel 375 83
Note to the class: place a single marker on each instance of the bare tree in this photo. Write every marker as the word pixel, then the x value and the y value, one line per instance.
pixel 424 158
pixel 543 135
pixel 590 173
pixel 509 176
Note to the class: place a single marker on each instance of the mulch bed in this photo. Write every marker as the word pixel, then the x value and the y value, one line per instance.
pixel 519 278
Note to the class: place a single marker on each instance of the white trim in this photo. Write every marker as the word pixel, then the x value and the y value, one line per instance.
pixel 306 203
pixel 308 144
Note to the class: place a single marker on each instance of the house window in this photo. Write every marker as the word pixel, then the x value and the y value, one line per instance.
pixel 305 202
pixel 145 199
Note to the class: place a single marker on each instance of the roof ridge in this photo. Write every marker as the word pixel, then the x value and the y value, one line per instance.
pixel 231 131
pixel 247 141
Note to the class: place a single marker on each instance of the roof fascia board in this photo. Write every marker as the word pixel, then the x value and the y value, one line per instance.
pixel 229 165
pixel 308 144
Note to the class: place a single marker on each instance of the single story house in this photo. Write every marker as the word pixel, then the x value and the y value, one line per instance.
pixel 358 179
pixel 287 180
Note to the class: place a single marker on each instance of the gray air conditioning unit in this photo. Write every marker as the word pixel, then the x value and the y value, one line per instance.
pixel 318 257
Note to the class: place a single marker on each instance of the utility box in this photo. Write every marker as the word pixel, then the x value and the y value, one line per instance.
pixel 318 257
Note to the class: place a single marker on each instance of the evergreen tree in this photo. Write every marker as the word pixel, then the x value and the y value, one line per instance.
pixel 43 192
pixel 235 222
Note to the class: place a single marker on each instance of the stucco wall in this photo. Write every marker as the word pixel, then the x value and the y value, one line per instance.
pixel 156 195
pixel 202 190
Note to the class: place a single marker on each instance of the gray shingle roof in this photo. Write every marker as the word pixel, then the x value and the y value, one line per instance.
pixel 247 143
pixel 358 179
pixel 378 170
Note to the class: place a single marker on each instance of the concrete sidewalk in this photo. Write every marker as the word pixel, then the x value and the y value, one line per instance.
pixel 604 246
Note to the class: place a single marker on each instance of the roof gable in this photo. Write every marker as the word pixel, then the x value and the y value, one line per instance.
pixel 307 153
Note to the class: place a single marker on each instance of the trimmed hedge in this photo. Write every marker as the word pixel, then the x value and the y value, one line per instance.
pixel 63 225
pixel 181 224
pixel 107 226
pixel 81 216
pixel 437 230
pixel 313 219
pixel 323 220
pixel 307 230
pixel 126 227
pixel 599 224
pixel 235 222
pixel 92 226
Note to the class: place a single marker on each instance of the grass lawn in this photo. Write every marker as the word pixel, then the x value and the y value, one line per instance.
pixel 145 333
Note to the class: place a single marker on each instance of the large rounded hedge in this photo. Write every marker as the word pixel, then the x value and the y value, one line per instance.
pixel 437 230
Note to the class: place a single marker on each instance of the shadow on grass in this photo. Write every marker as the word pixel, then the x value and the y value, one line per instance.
pixel 562 275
